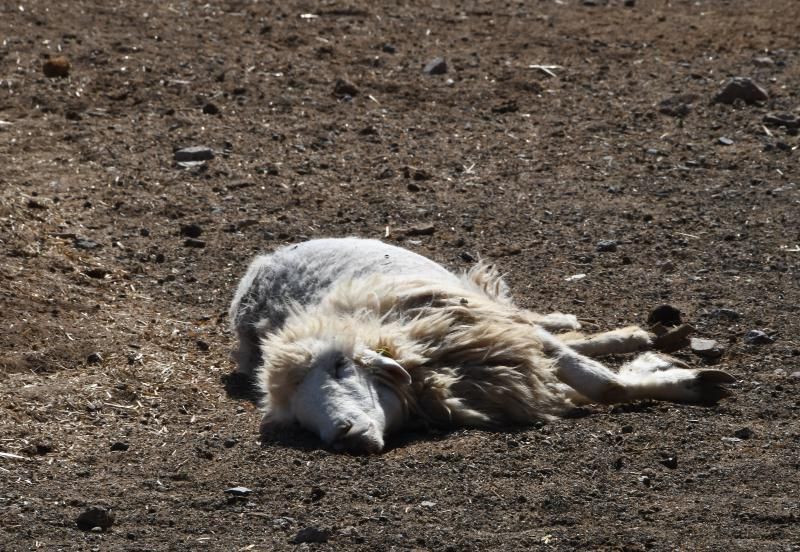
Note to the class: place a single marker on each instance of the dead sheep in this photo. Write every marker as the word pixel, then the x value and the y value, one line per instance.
pixel 354 339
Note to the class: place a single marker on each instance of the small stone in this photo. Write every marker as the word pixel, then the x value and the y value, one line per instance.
pixel 666 315
pixel 94 358
pixel 422 230
pixel 202 345
pixel 389 48
pixel 670 461
pixel 97 273
pixel 728 314
pixel 741 88
pixel 194 242
pixel 795 375
pixel 436 66
pixel 678 106
pixel 427 504
pixel 782 119
pixel 607 246
pixel 238 491
pixel 191 230
pixel 344 88
pixel 757 337
pixel 629 3
pixel 626 429
pixel 467 257
pixel 119 446
pixel 763 61
pixel 85 243
pixel 56 67
pixel 743 433
pixel 144 232
pixel 210 109
pixel 317 494
pixel 707 348
pixel 230 442
pixel 95 516
pixel 724 141
pixel 311 534
pixel 194 153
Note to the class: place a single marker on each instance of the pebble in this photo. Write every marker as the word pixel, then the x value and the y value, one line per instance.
pixel 210 109
pixel 795 375
pixel 763 61
pixel 678 106
pixel 202 345
pixel 389 48
pixel 56 67
pixel 97 273
pixel 730 314
pixel 194 242
pixel 95 516
pixel 238 491
pixel 94 358
pixel 724 141
pixel 427 504
pixel 191 230
pixel 436 66
pixel 311 534
pixel 119 446
pixel 422 230
pixel 743 433
pixel 344 88
pixel 607 245
pixel 707 348
pixel 782 119
pixel 670 461
pixel 741 88
pixel 85 243
pixel 757 337
pixel 194 153
pixel 666 315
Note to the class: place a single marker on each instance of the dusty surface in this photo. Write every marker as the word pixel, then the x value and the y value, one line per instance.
pixel 503 160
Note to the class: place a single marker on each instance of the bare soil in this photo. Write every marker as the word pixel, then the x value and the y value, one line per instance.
pixel 114 347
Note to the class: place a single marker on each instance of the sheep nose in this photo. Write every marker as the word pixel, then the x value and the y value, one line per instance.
pixel 358 442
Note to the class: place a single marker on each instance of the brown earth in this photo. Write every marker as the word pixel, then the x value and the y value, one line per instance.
pixel 114 329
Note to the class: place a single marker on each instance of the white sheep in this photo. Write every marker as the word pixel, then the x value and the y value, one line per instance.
pixel 354 338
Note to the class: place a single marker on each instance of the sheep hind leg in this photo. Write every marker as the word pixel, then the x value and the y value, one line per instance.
pixel 649 376
pixel 631 339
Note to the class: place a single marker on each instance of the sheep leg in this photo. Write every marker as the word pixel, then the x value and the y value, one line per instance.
pixel 631 339
pixel 649 376
pixel 557 321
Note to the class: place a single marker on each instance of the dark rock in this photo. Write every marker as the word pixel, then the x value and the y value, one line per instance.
pixel 757 337
pixel 210 109
pixel 743 433
pixel 230 442
pixel 95 516
pixel 422 230
pixel 56 67
pixel 344 88
pixel 436 66
pixel 94 358
pixel 724 141
pixel 119 446
pixel 389 48
pixel 782 119
pixel 678 106
pixel 202 345
pixel 467 257
pixel 669 461
pixel 604 246
pixel 317 494
pixel 741 88
pixel 97 273
pixel 85 243
pixel 238 491
pixel 193 242
pixel 729 314
pixel 706 348
pixel 191 230
pixel 311 534
pixel 194 153
pixel 666 315
pixel 629 3
pixel 144 232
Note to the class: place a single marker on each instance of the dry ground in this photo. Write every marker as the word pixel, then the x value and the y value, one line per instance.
pixel 114 342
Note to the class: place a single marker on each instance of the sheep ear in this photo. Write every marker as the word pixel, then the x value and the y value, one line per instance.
pixel 388 365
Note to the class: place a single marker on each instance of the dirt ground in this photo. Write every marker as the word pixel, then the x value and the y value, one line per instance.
pixel 545 136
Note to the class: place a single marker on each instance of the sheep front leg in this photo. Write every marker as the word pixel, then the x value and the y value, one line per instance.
pixel 631 339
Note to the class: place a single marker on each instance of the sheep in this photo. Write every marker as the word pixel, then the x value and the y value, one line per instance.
pixel 354 339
